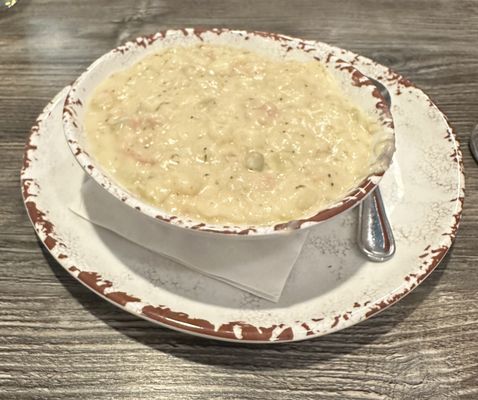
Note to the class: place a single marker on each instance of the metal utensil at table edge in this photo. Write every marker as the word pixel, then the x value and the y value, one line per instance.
pixel 375 237
pixel 474 143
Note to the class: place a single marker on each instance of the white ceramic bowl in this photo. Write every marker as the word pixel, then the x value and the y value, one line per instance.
pixel 353 83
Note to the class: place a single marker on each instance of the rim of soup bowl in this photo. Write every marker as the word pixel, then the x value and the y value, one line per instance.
pixel 132 51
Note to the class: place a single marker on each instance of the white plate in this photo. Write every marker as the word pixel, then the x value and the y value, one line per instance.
pixel 331 287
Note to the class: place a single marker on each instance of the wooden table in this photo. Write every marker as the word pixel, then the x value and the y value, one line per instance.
pixel 59 340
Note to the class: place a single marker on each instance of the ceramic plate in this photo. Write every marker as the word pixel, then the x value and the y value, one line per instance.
pixel 331 286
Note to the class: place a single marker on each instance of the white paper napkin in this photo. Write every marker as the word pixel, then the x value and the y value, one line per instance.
pixel 260 266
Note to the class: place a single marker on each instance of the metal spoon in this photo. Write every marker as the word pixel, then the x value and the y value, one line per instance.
pixel 375 237
pixel 474 143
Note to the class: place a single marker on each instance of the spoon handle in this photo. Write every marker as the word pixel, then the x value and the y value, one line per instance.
pixel 375 236
pixel 474 143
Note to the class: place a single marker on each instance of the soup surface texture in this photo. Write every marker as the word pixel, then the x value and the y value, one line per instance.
pixel 225 135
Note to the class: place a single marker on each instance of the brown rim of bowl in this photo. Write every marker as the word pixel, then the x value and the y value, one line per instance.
pixel 351 199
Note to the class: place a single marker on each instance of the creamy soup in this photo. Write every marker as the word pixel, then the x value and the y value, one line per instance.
pixel 225 135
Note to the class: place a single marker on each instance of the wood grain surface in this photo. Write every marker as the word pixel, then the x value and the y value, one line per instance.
pixel 60 341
